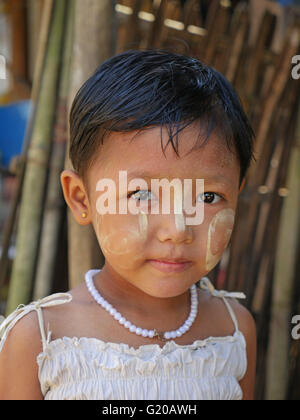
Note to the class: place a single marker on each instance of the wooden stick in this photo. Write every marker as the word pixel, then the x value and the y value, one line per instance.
pixel 21 281
pixel 11 220
pixel 132 27
pixel 278 350
pixel 255 177
pixel 93 43
pixel 237 41
pixel 156 32
pixel 55 205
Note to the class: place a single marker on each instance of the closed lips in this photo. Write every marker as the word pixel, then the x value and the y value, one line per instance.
pixel 167 266
pixel 166 261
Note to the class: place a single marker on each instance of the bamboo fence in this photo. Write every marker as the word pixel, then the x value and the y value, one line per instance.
pixel 262 259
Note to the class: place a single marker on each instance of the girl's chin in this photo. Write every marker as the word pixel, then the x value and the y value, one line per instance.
pixel 151 279
pixel 161 286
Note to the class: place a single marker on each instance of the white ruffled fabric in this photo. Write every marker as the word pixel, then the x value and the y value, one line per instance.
pixel 91 369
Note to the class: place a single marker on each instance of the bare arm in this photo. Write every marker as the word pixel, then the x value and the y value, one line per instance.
pixel 18 366
pixel 248 328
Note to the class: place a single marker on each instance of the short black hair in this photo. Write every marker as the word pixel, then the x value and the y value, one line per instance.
pixel 138 89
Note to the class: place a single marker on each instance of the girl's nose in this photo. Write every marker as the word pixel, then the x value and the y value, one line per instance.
pixel 173 228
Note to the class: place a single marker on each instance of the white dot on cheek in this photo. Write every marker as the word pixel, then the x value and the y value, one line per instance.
pixel 143 224
pixel 219 233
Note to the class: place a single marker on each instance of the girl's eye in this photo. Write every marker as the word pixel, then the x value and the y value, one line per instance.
pixel 144 195
pixel 141 195
pixel 210 197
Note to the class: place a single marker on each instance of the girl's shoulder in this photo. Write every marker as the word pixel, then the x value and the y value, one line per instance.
pixel 225 311
pixel 28 323
pixel 24 334
pixel 71 317
pixel 19 349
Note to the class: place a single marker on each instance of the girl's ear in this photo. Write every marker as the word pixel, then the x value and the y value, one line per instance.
pixel 76 196
pixel 242 185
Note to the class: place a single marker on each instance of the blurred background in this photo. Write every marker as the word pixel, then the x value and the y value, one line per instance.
pixel 48 48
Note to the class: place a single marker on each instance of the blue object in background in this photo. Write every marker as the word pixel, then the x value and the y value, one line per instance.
pixel 285 2
pixel 13 121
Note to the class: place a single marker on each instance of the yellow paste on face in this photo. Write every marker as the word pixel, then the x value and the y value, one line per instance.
pixel 219 233
pixel 122 242
pixel 143 223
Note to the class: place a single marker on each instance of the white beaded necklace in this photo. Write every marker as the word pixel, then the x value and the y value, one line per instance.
pixel 137 330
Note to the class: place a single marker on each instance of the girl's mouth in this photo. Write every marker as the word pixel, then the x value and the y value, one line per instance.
pixel 169 266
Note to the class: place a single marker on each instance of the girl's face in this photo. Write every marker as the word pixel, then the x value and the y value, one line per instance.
pixel 130 242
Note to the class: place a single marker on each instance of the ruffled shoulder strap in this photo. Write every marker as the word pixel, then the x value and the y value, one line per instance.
pixel 8 323
pixel 206 284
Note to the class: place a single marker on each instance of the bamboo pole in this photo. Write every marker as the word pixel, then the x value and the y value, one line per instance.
pixel 132 29
pixel 19 46
pixel 20 86
pixel 39 65
pixel 93 43
pixel 54 206
pixel 238 39
pixel 157 30
pixel 21 281
pixel 35 10
pixel 215 33
pixel 286 258
pixel 239 259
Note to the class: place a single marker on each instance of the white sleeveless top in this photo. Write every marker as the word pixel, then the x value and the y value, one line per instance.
pixel 72 368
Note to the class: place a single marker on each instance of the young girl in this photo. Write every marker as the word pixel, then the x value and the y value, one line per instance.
pixel 149 325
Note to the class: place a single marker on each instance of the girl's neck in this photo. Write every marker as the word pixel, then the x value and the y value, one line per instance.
pixel 128 299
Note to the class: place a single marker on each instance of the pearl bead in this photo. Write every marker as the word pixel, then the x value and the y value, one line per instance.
pixel 132 328
pixel 184 328
pixel 138 331
pixel 112 311
pixel 145 333
pixel 117 316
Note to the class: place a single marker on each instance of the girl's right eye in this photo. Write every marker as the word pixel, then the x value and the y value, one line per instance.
pixel 141 195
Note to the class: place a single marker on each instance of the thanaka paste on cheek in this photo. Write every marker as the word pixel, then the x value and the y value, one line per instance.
pixel 126 241
pixel 143 223
pixel 219 233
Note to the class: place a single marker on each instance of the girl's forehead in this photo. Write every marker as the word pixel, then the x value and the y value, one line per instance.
pixel 142 152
